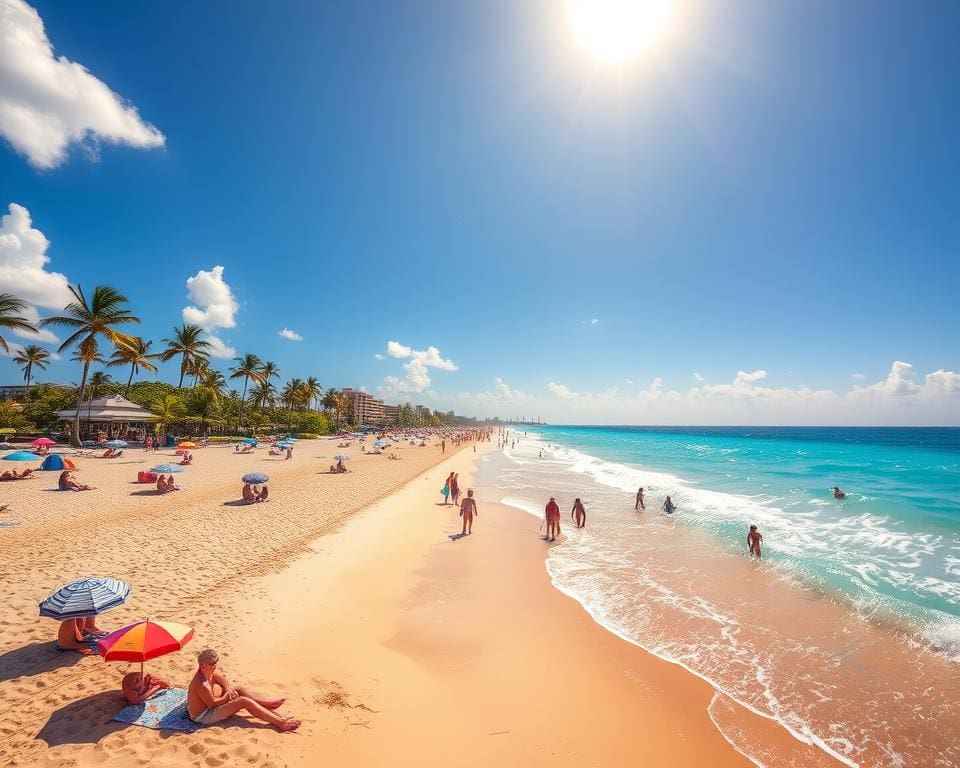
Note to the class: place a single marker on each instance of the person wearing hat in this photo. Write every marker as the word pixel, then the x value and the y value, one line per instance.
pixel 552 515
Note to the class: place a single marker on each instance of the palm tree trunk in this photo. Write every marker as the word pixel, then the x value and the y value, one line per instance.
pixel 29 373
pixel 242 400
pixel 133 367
pixel 183 369
pixel 75 437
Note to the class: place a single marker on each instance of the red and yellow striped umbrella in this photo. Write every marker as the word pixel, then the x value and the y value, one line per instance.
pixel 144 640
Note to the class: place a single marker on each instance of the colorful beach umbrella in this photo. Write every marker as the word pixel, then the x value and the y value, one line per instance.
pixel 249 440
pixel 257 478
pixel 44 441
pixel 166 469
pixel 144 640
pixel 342 457
pixel 187 444
pixel 21 456
pixel 86 597
pixel 116 444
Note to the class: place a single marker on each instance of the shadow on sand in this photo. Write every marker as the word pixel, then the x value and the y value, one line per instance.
pixel 35 660
pixel 84 721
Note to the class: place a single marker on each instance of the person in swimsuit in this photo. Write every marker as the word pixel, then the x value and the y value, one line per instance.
pixel 552 515
pixel 138 688
pixel 668 506
pixel 249 493
pixel 838 494
pixel 67 483
pixel 639 505
pixel 455 488
pixel 468 510
pixel 579 514
pixel 71 637
pixel 205 706
pixel 754 539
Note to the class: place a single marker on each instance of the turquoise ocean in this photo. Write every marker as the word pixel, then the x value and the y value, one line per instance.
pixel 847 633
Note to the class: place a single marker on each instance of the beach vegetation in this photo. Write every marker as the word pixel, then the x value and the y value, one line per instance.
pixel 92 319
pixel 167 410
pixel 12 316
pixel 29 356
pixel 137 356
pixel 249 368
pixel 186 343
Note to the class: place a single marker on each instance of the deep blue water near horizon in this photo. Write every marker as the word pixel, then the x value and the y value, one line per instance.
pixel 897 534
pixel 848 631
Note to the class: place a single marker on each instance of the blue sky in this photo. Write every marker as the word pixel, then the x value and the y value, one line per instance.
pixel 774 190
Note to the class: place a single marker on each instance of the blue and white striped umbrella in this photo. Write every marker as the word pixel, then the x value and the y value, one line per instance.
pixel 116 444
pixel 87 597
pixel 166 469
pixel 257 478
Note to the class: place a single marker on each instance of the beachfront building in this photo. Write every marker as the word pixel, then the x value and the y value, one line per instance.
pixel 366 408
pixel 391 413
pixel 424 414
pixel 19 391
pixel 112 416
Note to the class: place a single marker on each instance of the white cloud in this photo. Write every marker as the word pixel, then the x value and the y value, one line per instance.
pixel 629 382
pixel 219 348
pixel 857 376
pixel 900 381
pixel 286 333
pixel 48 103
pixel 591 321
pixel 217 306
pixel 23 261
pixel 501 393
pixel 417 378
pixel 697 377
pixel 562 391
pixel 378 356
pixel 942 383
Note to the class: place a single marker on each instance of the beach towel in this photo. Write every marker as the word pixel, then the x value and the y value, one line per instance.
pixel 164 711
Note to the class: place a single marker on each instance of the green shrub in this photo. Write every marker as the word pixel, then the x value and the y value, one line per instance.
pixel 308 436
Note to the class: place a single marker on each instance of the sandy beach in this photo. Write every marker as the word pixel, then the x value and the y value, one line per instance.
pixel 395 643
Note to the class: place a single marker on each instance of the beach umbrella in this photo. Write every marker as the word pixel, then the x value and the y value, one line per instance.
pixel 187 444
pixel 167 469
pixel 44 441
pixel 144 640
pixel 249 440
pixel 86 597
pixel 342 457
pixel 21 456
pixel 257 478
pixel 116 444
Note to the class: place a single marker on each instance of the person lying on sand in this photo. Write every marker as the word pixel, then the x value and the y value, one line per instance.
pixel 110 453
pixel 67 483
pixel 138 688
pixel 12 474
pixel 71 637
pixel 187 459
pixel 205 705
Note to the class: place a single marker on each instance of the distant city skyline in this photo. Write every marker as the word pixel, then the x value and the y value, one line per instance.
pixel 745 220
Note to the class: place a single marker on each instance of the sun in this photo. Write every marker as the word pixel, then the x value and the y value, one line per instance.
pixel 619 31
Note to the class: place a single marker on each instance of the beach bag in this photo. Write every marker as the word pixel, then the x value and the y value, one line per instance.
pixel 445 491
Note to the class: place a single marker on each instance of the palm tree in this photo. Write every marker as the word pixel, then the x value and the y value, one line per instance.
pixel 213 380
pixel 187 343
pixel 137 356
pixel 270 370
pixel 11 316
pixel 31 355
pixel 247 367
pixel 335 401
pixel 89 320
pixel 316 391
pixel 263 394
pixel 167 410
pixel 293 393
pixel 98 380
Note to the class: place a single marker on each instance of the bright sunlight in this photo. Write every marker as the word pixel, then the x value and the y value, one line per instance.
pixel 619 31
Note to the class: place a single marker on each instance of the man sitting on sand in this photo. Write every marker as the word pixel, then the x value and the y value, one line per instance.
pixel 138 688
pixel 249 493
pixel 73 635
pixel 206 706
pixel 67 483
pixel 166 484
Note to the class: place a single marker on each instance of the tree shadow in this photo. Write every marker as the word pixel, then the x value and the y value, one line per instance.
pixel 84 721
pixel 35 660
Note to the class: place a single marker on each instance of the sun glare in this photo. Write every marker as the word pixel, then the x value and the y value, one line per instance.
pixel 619 31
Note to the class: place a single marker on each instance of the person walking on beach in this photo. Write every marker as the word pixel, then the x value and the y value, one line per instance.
pixel 579 514
pixel 455 488
pixel 639 504
pixel 468 510
pixel 754 539
pixel 552 518
pixel 669 507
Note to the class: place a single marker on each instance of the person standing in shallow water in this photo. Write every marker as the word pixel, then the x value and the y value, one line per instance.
pixel 639 505
pixel 754 540
pixel 552 516
pixel 468 510
pixel 579 514
pixel 669 507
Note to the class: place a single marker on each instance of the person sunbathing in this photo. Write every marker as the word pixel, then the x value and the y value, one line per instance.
pixel 205 705
pixel 70 637
pixel 138 688
pixel 187 458
pixel 250 494
pixel 67 483
pixel 166 484
pixel 110 453
pixel 12 474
